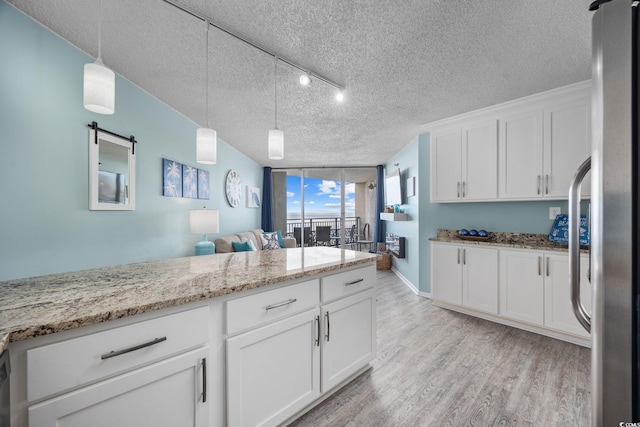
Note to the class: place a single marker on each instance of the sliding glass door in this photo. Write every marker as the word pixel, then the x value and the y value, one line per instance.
pixel 326 206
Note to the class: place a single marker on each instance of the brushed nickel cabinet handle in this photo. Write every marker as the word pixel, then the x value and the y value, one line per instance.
pixel 458 255
pixel 328 322
pixel 354 282
pixel 464 187
pixel 317 320
pixel 280 304
pixel 114 353
pixel 539 179
pixel 548 267
pixel 464 256
pixel 546 184
pixel 539 266
pixel 458 189
pixel 204 380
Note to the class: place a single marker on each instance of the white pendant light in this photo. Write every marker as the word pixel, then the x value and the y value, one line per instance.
pixel 207 138
pixel 99 81
pixel 276 136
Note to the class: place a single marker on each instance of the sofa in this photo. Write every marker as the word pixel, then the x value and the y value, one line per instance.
pixel 224 244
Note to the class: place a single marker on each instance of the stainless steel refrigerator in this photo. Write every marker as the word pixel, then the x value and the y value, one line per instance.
pixel 615 216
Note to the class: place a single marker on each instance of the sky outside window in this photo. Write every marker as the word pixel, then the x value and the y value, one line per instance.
pixel 321 198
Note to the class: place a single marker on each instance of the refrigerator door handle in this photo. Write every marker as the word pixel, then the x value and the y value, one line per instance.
pixel 574 245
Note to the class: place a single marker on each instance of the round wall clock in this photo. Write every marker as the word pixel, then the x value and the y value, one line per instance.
pixel 233 188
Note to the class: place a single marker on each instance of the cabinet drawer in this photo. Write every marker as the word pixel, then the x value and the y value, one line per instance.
pixel 348 283
pixel 67 364
pixel 254 310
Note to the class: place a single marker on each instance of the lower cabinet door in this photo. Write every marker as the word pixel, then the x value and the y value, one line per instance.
pixel 521 285
pixel 558 308
pixel 480 279
pixel 349 339
pixel 446 270
pixel 273 371
pixel 167 393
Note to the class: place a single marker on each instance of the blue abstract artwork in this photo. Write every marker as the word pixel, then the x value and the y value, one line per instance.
pixel 189 182
pixel 171 178
pixel 204 191
pixel 560 230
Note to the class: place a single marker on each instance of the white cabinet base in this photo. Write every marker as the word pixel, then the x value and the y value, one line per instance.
pixel 585 342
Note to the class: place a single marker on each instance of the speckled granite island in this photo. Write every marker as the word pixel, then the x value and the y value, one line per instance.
pixel 517 279
pixel 82 342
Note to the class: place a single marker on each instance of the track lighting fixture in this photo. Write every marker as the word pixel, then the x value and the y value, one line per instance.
pixel 305 79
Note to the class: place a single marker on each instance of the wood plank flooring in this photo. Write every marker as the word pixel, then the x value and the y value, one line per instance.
pixel 436 367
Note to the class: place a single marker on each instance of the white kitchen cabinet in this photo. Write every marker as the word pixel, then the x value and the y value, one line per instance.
pixel 464 162
pixel 557 293
pixel 567 143
pixel 480 279
pixel 534 288
pixel 286 359
pixel 541 148
pixel 446 165
pixel 349 338
pixel 522 286
pixel 446 272
pixel 168 393
pixel 520 147
pixel 273 371
pixel 466 275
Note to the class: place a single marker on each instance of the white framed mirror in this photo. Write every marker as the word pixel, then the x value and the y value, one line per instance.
pixel 112 171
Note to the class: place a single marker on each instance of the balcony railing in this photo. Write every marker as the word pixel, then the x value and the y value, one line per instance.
pixel 315 231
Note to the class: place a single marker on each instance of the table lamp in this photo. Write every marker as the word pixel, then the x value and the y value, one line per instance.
pixel 203 221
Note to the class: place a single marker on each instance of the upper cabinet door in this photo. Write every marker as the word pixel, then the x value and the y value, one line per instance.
pixel 480 161
pixel 446 182
pixel 567 143
pixel 520 147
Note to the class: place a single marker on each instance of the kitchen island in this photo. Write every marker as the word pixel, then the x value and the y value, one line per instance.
pixel 85 344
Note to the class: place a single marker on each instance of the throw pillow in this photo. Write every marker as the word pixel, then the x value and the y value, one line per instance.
pixel 270 241
pixel 277 233
pixel 242 246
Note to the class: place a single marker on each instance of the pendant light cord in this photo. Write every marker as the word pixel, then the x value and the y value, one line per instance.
pixel 275 90
pixel 100 30
pixel 207 78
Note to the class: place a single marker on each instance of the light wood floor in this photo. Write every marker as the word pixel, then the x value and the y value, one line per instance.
pixel 440 368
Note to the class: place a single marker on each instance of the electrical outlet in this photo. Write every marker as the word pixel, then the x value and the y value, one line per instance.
pixel 554 212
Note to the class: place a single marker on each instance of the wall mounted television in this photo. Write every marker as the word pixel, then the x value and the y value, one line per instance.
pixel 393 188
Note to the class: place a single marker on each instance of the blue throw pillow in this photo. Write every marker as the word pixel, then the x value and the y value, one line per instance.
pixel 242 246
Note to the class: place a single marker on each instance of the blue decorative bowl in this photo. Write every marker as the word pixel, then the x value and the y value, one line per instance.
pixel 482 233
pixel 473 232
pixel 463 232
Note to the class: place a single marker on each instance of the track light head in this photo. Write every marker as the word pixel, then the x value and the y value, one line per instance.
pixel 305 79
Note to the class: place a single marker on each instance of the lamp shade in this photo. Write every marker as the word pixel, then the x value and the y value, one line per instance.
pixel 206 146
pixel 204 221
pixel 276 144
pixel 99 88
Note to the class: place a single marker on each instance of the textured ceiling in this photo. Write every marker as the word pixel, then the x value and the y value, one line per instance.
pixel 403 63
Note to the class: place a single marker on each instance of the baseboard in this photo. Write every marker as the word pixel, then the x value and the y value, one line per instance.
pixel 410 285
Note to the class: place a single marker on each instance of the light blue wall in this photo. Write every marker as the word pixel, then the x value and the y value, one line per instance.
pixel 45 224
pixel 408 163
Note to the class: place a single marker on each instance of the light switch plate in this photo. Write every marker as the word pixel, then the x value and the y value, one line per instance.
pixel 554 212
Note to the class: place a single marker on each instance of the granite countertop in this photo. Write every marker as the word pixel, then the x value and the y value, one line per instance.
pixel 508 240
pixel 47 304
